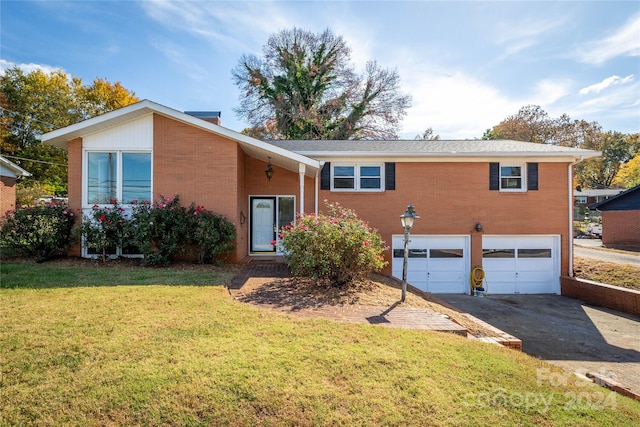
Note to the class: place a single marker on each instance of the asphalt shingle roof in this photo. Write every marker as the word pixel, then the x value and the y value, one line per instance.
pixel 426 148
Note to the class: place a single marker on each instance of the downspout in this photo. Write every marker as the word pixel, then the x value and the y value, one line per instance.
pixel 301 171
pixel 317 188
pixel 570 169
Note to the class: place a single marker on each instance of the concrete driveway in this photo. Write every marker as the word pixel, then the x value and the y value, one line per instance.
pixel 565 332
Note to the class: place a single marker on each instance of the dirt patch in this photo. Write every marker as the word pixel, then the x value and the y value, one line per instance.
pixel 297 294
pixel 610 273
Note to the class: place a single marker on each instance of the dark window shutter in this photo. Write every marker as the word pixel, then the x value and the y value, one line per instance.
pixel 389 176
pixel 494 176
pixel 532 176
pixel 325 177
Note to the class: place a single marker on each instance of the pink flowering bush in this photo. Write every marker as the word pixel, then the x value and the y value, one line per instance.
pixel 212 234
pixel 41 230
pixel 104 229
pixel 338 247
pixel 160 229
pixel 165 229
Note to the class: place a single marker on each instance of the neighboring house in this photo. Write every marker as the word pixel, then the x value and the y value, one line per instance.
pixel 10 173
pixel 503 205
pixel 621 219
pixel 585 198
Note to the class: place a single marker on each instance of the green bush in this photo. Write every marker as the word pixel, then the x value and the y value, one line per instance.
pixel 212 234
pixel 160 229
pixel 338 247
pixel 105 229
pixel 41 230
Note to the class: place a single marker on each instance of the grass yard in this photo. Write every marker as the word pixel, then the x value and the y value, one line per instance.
pixel 626 276
pixel 130 346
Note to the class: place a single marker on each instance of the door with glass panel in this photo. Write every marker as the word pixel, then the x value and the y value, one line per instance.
pixel 268 215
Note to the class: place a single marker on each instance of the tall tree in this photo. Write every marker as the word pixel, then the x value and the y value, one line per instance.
pixel 427 135
pixel 629 174
pixel 533 124
pixel 38 102
pixel 304 87
pixel 600 172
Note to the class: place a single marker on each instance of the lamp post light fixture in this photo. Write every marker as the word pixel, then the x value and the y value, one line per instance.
pixel 407 219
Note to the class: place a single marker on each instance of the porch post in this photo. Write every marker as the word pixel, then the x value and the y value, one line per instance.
pixel 301 170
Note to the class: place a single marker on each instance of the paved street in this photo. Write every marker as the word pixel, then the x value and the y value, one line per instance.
pixel 592 248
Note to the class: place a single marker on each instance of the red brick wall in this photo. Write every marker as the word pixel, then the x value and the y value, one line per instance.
pixel 452 197
pixel 625 300
pixel 199 166
pixel 7 194
pixel 74 175
pixel 621 229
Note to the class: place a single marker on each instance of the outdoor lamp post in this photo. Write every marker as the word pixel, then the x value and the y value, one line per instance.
pixel 407 219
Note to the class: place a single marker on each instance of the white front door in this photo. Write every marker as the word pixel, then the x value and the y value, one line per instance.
pixel 263 225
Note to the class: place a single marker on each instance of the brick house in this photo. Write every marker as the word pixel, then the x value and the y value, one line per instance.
pixel 479 201
pixel 584 198
pixel 10 173
pixel 621 219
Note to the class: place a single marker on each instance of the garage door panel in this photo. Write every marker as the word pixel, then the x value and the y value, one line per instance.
pixel 447 265
pixel 435 263
pixel 530 265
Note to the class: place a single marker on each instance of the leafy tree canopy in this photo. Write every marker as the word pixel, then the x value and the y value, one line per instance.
pixel 38 102
pixel 533 124
pixel 304 87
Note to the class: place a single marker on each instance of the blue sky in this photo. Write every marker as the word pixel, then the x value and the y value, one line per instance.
pixel 467 65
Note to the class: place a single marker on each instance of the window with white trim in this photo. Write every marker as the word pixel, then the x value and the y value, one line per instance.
pixel 512 177
pixel 118 175
pixel 357 177
pixel 581 200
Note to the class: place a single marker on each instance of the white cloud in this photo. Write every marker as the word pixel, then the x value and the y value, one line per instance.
pixel 455 105
pixel 177 56
pixel 624 42
pixel 521 34
pixel 549 91
pixel 27 68
pixel 229 25
pixel 608 82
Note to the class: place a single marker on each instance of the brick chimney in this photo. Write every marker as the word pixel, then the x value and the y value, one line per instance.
pixel 209 116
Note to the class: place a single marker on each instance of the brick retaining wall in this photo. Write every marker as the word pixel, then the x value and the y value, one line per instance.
pixel 614 297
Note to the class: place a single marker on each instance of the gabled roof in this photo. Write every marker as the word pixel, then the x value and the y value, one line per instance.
pixel 8 168
pixel 629 200
pixel 251 146
pixel 457 150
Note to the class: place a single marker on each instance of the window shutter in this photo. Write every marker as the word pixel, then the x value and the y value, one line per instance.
pixel 532 176
pixel 494 176
pixel 325 177
pixel 389 176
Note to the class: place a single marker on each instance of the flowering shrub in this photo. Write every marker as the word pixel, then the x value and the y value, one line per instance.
pixel 338 247
pixel 160 229
pixel 105 229
pixel 213 234
pixel 42 230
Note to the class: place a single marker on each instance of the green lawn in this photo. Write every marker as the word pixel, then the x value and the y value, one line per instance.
pixel 90 346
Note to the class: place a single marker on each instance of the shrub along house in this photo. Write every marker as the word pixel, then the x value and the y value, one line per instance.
pixel 505 206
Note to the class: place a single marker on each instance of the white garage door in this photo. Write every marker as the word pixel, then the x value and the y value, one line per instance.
pixel 437 264
pixel 521 264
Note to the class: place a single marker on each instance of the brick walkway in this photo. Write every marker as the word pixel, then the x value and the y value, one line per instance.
pixel 394 316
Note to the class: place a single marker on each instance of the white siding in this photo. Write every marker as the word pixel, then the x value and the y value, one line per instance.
pixel 135 135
